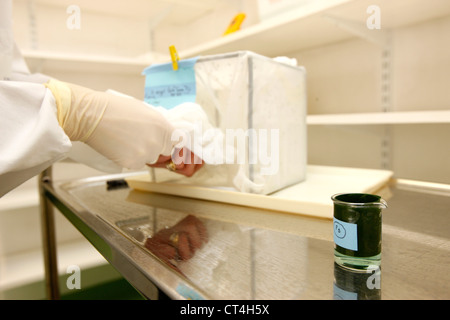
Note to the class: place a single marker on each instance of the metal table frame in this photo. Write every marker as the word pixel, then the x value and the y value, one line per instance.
pixel 48 237
pixel 113 246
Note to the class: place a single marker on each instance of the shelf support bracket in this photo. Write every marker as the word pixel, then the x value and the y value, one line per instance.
pixel 155 21
pixel 379 37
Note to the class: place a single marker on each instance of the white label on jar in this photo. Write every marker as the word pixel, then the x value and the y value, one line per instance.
pixel 345 234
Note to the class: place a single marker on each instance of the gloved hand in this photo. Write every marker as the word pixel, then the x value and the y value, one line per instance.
pixel 123 129
pixel 185 163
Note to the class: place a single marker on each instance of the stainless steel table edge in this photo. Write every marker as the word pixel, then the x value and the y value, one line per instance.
pixel 115 247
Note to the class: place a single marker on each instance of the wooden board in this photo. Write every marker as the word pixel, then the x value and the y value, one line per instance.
pixel 310 197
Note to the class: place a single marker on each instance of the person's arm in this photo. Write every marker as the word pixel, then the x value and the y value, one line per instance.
pixel 31 137
pixel 38 123
pixel 123 129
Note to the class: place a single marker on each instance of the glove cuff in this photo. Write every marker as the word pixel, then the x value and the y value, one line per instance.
pixel 79 109
pixel 63 98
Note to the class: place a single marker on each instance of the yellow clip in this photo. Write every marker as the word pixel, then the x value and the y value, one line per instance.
pixel 174 57
pixel 235 25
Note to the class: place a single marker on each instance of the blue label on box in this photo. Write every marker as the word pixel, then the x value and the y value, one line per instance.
pixel 345 234
pixel 167 87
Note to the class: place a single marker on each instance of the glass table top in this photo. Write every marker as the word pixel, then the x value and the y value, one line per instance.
pixel 232 252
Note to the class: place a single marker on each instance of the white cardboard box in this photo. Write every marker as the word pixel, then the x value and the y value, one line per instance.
pixel 246 95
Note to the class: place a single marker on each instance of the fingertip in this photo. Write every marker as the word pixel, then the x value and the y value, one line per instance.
pixel 184 247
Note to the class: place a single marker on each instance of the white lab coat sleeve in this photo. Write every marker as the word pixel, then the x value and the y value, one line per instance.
pixel 31 137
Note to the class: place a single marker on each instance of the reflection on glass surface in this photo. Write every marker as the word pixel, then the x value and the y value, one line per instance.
pixel 240 253
pixel 353 285
pixel 226 260
pixel 179 242
pixel 252 253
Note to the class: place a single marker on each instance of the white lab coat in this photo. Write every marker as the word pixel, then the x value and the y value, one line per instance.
pixel 31 137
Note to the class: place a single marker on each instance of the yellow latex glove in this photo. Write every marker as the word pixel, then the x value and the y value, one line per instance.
pixel 125 130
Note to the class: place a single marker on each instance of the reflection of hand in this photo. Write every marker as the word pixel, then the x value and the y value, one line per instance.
pixel 186 164
pixel 180 241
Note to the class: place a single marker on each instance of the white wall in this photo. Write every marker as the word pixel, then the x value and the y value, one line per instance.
pixel 346 77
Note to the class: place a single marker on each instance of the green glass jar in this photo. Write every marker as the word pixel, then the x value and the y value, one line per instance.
pixel 356 285
pixel 357 229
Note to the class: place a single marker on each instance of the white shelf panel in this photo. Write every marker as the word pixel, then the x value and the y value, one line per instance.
pixel 100 63
pixel 27 267
pixel 181 11
pixel 281 35
pixel 309 27
pixel 24 196
pixel 285 33
pixel 406 117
